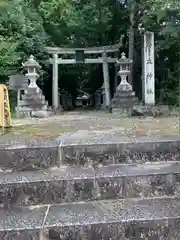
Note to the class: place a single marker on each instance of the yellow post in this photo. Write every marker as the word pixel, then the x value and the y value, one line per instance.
pixel 5 113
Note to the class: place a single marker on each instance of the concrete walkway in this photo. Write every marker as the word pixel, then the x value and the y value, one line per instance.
pixel 88 123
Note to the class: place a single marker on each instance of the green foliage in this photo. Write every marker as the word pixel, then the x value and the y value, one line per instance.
pixel 27 26
pixel 21 34
pixel 9 56
pixel 77 22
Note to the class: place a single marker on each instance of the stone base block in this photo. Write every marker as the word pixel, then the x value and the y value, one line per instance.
pixel 34 114
pixel 40 114
pixel 31 112
pixel 148 110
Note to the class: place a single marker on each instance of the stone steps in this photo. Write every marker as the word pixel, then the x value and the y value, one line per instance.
pixel 29 156
pixel 72 184
pixel 103 149
pixel 90 187
pixel 82 150
pixel 154 218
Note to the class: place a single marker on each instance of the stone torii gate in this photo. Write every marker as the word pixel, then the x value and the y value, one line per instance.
pixel 77 55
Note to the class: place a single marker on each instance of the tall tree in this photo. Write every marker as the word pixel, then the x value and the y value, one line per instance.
pixel 21 34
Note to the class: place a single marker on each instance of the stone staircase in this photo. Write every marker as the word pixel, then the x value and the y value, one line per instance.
pixel 91 189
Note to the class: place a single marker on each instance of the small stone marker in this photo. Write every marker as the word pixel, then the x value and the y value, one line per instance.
pixel 18 82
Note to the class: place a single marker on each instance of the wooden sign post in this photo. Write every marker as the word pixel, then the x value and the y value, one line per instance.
pixel 5 113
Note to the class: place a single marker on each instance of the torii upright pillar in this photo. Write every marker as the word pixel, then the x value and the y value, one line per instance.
pixel 106 79
pixel 55 91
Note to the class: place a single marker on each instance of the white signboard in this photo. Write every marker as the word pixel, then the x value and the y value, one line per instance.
pixel 148 76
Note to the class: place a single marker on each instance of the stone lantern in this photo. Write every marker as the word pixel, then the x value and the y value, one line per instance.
pixel 32 67
pixel 33 101
pixel 124 98
pixel 124 71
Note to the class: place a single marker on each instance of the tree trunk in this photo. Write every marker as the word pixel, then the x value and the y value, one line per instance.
pixel 132 5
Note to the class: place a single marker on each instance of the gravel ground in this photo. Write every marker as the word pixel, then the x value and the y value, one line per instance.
pixel 52 127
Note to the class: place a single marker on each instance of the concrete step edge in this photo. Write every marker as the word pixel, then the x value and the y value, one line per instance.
pixel 68 173
pixel 71 140
pixel 69 184
pixel 89 213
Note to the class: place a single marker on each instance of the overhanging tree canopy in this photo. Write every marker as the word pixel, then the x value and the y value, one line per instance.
pixel 27 26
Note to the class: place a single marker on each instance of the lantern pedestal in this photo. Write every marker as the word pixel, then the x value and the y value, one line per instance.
pixel 33 104
pixel 124 85
pixel 124 101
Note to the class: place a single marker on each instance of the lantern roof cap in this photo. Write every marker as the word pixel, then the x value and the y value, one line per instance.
pixel 31 62
pixel 124 59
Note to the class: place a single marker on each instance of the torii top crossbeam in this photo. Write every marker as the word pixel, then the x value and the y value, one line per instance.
pixel 91 50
